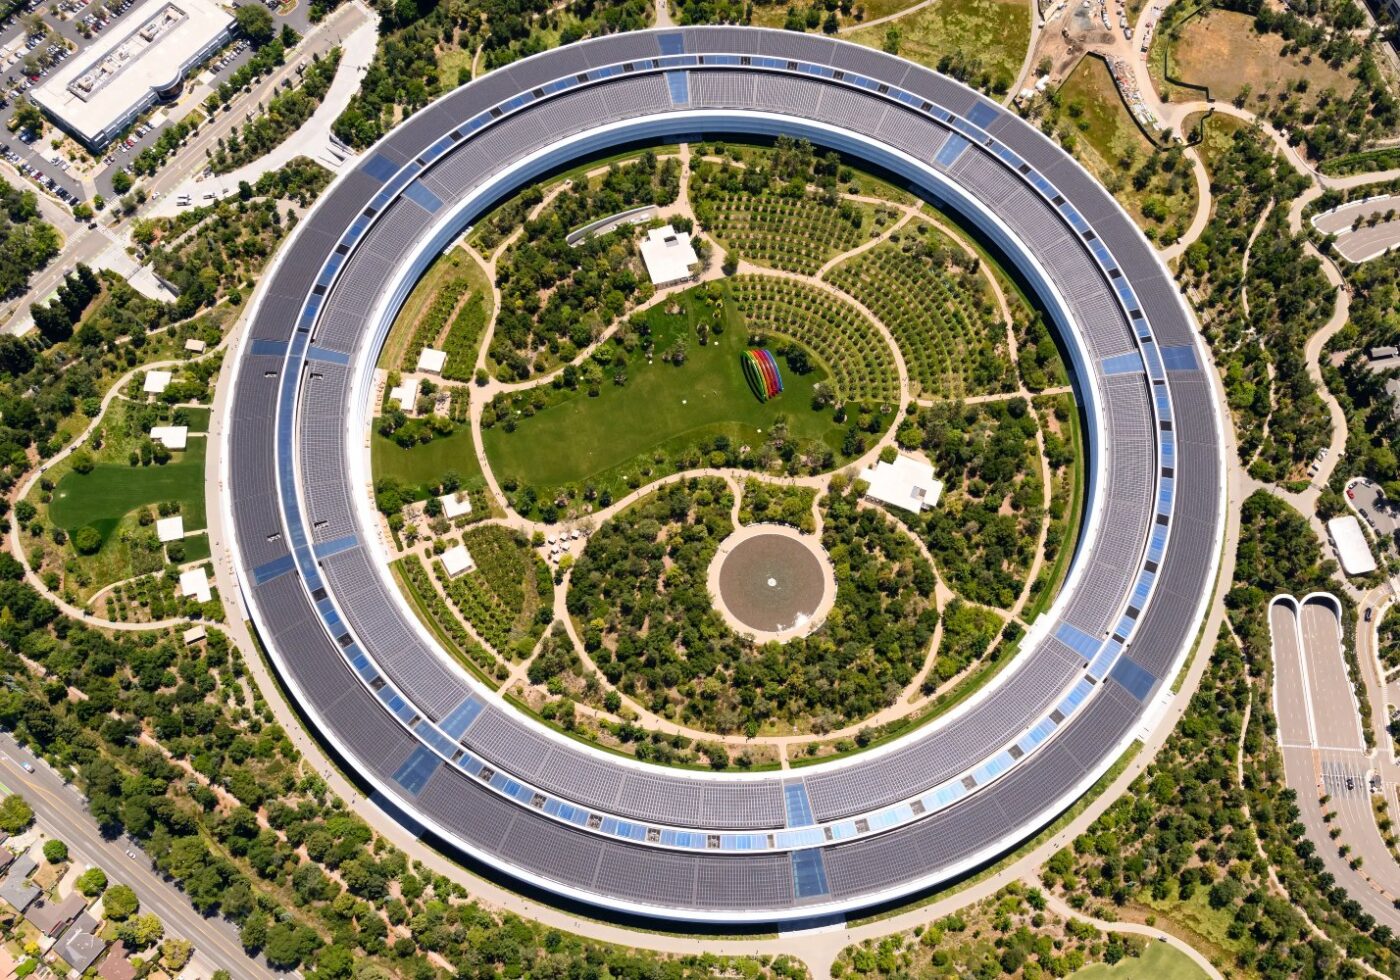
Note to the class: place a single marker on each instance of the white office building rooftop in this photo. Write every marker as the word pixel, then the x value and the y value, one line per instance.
pixel 907 483
pixel 456 505
pixel 170 528
pixel 141 58
pixel 457 560
pixel 170 436
pixel 195 583
pixel 404 395
pixel 668 255
pixel 1353 551
pixel 431 361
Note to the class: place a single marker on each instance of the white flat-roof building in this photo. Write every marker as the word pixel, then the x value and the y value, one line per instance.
pixel 431 361
pixel 907 483
pixel 457 560
pixel 404 394
pixel 195 583
pixel 171 436
pixel 455 505
pixel 170 528
pixel 195 346
pixel 668 255
pixel 1353 550
pixel 142 59
pixel 156 382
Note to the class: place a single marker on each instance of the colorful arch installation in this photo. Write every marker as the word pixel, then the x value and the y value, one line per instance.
pixel 761 370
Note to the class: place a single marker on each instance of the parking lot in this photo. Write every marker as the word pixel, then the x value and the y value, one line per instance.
pixel 1363 229
pixel 30 55
pixel 1371 505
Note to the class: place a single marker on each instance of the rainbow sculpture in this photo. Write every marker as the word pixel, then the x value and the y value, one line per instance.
pixel 761 370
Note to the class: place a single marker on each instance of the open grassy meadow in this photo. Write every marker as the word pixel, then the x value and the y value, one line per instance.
pixel 1221 50
pixel 426 464
pixel 112 490
pixel 1158 961
pixel 1109 142
pixel 987 38
pixel 662 409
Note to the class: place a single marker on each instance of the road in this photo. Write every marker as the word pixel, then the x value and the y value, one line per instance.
pixel 356 31
pixel 62 812
pixel 191 158
pixel 1362 228
pixel 85 245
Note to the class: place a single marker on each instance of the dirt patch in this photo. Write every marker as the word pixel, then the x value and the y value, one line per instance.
pixel 1222 51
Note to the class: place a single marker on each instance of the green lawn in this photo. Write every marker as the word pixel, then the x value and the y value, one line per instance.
pixel 196 548
pixel 111 490
pixel 199 418
pixel 1159 961
pixel 661 409
pixel 427 464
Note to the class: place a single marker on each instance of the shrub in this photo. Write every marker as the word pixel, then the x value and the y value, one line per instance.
pixel 88 540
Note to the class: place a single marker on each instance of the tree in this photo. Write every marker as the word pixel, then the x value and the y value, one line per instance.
pixel 16 356
pixel 176 953
pixel 254 22
pixel 121 903
pixel 55 851
pixel 15 814
pixel 92 882
pixel 142 931
pixel 121 180
pixel 28 116
pixel 88 540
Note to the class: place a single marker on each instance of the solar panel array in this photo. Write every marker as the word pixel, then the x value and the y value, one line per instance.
pixel 718 846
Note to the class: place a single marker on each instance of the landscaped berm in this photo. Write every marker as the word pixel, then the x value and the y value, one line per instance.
pixel 761 371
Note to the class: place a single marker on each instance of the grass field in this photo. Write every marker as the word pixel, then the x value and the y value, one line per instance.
pixel 101 498
pixel 991 34
pixel 1222 51
pixel 1159 961
pixel 197 548
pixel 661 409
pixel 775 14
pixel 428 463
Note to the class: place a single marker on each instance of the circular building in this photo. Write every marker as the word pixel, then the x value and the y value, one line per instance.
pixel 457 762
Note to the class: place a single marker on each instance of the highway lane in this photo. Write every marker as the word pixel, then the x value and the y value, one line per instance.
pixel 1336 721
pixel 1290 685
pixel 63 813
